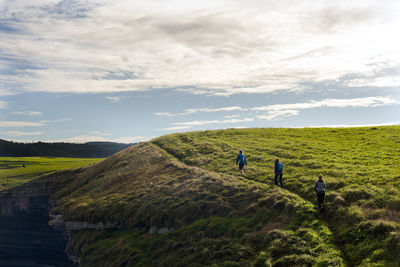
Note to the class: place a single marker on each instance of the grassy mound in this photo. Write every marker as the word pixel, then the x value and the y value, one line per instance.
pixel 208 217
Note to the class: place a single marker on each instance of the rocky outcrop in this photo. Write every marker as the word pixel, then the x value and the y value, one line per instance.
pixel 26 238
pixel 58 223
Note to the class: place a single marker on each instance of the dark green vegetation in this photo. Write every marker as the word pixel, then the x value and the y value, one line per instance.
pixel 40 149
pixel 188 186
pixel 12 172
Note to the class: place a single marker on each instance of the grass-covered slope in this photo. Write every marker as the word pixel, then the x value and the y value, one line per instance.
pixel 18 170
pixel 361 167
pixel 211 218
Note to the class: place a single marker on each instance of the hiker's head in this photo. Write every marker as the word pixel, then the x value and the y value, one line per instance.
pixel 240 151
pixel 320 177
pixel 277 160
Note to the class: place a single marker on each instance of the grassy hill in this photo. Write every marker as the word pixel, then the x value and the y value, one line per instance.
pixel 179 200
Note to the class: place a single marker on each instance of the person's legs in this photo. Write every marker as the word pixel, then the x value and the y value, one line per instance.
pixel 322 200
pixel 276 179
pixel 319 200
pixel 321 197
pixel 280 179
pixel 241 166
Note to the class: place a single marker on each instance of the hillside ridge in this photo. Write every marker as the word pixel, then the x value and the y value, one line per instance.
pixel 324 218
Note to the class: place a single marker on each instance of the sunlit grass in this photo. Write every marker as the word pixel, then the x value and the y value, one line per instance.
pixel 18 170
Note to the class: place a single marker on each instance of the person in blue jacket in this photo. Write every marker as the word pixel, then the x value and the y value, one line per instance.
pixel 241 160
pixel 278 172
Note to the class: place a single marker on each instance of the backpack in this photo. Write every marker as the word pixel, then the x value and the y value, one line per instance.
pixel 241 158
pixel 280 166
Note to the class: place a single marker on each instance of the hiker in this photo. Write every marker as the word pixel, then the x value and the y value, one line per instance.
pixel 278 172
pixel 241 160
pixel 320 188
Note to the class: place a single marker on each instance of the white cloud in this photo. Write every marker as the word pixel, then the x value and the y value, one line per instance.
pixel 27 113
pixel 274 114
pixel 217 48
pixel 353 125
pixel 200 110
pixel 20 124
pixel 232 116
pixel 386 81
pixel 287 110
pixel 175 128
pixel 3 105
pixel 21 133
pixel 116 99
pixel 205 122
pixel 194 110
pixel 334 103
pixel 59 120
pixel 164 114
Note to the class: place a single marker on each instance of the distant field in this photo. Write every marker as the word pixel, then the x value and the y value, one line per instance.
pixel 13 172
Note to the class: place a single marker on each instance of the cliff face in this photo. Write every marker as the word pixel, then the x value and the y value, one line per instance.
pixel 26 239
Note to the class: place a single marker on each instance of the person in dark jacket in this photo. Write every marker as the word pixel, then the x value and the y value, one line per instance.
pixel 320 188
pixel 241 160
pixel 278 172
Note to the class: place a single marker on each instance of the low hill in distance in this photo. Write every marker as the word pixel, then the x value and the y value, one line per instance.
pixel 178 200
pixel 42 149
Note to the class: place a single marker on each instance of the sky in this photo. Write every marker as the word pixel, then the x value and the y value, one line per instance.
pixel 129 71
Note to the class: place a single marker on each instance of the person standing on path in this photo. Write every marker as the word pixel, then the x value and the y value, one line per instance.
pixel 320 188
pixel 241 160
pixel 278 172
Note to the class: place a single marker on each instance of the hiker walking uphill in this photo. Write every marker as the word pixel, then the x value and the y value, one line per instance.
pixel 241 160
pixel 278 172
pixel 320 188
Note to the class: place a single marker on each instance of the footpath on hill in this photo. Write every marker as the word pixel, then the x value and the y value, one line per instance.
pixel 323 217
pixel 360 166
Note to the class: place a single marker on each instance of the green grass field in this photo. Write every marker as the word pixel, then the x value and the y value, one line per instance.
pixel 189 183
pixel 361 167
pixel 12 172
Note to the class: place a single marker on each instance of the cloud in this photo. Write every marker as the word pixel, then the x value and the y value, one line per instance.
pixel 273 114
pixel 175 128
pixel 21 133
pixel 27 113
pixel 386 81
pixel 59 120
pixel 215 48
pixel 287 110
pixel 193 110
pixel 205 122
pixel 20 124
pixel 116 99
pixel 353 125
pixel 334 103
pixel 200 110
pixel 232 116
pixel 164 114
pixel 3 105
